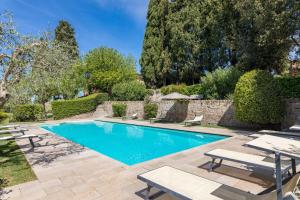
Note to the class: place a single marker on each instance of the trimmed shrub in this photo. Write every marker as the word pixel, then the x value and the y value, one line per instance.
pixel 119 109
pixel 28 112
pixel 220 83
pixel 3 116
pixel 131 91
pixel 182 89
pixel 194 89
pixel 101 97
pixel 257 98
pixel 68 108
pixel 289 86
pixel 49 115
pixel 150 110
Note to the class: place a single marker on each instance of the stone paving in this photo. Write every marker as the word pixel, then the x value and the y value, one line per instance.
pixel 66 170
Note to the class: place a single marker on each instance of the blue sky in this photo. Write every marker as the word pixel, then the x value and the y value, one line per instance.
pixel 119 24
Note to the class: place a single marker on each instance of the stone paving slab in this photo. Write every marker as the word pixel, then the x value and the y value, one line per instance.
pixel 66 170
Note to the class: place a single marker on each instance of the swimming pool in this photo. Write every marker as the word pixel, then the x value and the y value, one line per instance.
pixel 130 144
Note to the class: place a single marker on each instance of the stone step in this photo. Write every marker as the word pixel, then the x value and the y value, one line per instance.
pixel 100 112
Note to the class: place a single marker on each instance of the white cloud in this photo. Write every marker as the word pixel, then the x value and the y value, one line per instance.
pixel 137 9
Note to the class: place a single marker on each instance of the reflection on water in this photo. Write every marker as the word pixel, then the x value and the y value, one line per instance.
pixel 107 127
pixel 134 131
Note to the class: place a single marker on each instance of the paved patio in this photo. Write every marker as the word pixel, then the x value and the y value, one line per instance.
pixel 68 171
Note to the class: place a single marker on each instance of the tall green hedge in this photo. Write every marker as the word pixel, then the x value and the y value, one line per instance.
pixel 257 98
pixel 289 86
pixel 68 108
pixel 28 112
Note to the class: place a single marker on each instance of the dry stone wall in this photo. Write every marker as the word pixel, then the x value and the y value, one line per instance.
pixel 219 112
pixel 292 113
pixel 132 107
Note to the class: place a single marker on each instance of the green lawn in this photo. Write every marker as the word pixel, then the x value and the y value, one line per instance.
pixel 14 168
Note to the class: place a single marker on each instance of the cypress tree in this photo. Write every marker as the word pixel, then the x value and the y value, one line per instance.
pixel 186 38
pixel 65 34
pixel 196 36
pixel 155 62
pixel 261 32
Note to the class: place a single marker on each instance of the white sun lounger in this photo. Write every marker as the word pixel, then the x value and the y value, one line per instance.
pixel 285 146
pixel 196 120
pixel 295 128
pixel 283 133
pixel 14 131
pixel 9 126
pixel 153 120
pixel 134 116
pixel 243 158
pixel 187 186
pixel 29 136
pixel 257 135
pixel 269 143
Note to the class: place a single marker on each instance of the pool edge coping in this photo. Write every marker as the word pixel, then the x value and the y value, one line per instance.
pixel 226 137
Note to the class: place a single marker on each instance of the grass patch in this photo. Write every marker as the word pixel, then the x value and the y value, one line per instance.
pixel 14 167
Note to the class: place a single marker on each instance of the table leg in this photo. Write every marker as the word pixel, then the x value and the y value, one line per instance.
pixel 293 166
pixel 278 176
pixel 147 197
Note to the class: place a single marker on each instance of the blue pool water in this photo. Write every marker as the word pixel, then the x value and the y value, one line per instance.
pixel 130 144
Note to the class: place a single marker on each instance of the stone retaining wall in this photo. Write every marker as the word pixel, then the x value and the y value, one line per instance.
pixel 292 113
pixel 219 112
pixel 132 107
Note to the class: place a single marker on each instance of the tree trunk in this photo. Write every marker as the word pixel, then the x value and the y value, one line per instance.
pixel 3 94
pixel 178 76
pixel 44 111
pixel 233 57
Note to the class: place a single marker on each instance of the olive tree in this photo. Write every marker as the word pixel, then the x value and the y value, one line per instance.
pixel 15 55
pixel 51 74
